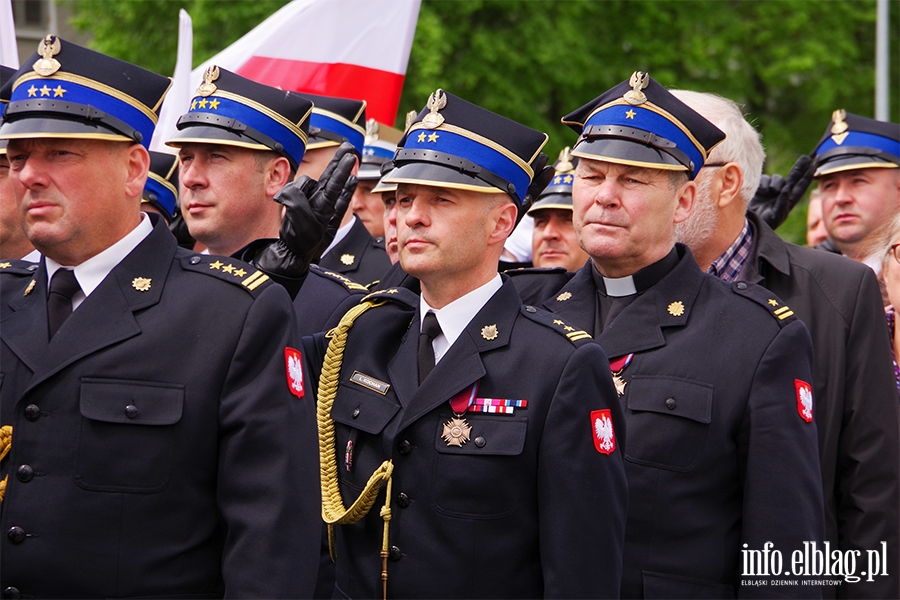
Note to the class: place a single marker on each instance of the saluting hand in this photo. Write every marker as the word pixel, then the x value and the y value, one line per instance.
pixel 776 196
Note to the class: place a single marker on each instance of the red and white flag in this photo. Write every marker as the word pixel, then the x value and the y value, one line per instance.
pixel 355 49
pixel 9 51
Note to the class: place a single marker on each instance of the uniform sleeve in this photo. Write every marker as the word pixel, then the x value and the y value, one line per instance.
pixel 779 459
pixel 268 488
pixel 582 491
pixel 868 468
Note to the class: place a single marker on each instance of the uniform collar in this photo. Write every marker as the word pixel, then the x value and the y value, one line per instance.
pixel 638 282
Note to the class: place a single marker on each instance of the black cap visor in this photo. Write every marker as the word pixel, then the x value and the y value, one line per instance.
pixel 47 126
pixel 626 152
pixel 439 176
pixel 851 158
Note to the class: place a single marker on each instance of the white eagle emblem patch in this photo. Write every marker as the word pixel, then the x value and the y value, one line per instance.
pixel 804 400
pixel 602 427
pixel 294 368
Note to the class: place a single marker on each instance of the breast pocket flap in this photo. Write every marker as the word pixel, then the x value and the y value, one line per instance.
pixel 362 409
pixel 671 396
pixel 131 402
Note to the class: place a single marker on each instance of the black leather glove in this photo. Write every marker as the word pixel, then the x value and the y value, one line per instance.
pixel 310 213
pixel 776 196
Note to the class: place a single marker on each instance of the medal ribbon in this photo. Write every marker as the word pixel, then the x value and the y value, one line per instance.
pixel 617 365
pixel 461 402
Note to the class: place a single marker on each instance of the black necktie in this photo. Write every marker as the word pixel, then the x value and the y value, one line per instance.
pixel 430 330
pixel 63 286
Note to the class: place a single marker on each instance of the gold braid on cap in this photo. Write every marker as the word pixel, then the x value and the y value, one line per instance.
pixel 333 509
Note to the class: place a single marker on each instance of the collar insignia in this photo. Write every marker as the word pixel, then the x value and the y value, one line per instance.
pixel 141 284
pixel 347 259
pixel 676 309
pixel 29 288
pixel 48 48
pixel 489 332
pixel 564 296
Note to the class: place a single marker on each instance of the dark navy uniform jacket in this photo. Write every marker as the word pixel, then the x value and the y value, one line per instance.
pixel 529 507
pixel 358 256
pixel 719 453
pixel 157 449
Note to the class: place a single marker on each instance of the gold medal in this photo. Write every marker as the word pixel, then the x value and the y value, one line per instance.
pixel 619 383
pixel 456 431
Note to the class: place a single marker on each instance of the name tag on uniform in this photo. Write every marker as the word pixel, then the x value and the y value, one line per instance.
pixel 369 382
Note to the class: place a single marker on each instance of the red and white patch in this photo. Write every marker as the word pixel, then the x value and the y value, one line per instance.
pixel 804 400
pixel 602 427
pixel 293 366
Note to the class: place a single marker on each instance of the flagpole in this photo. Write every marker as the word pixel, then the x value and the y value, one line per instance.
pixel 882 62
pixel 179 96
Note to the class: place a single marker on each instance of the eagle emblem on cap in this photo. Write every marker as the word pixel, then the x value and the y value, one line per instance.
pixel 410 119
pixel 564 163
pixel 208 87
pixel 639 80
pixel 436 102
pixel 840 128
pixel 371 131
pixel 48 48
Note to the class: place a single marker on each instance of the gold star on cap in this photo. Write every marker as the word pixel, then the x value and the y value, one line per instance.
pixel 433 137
pixel 436 102
pixel 58 91
pixel 630 114
pixel 47 48
pixel 347 259
pixel 214 104
pixel 32 91
pixel 564 296
pixel 489 332
pixel 676 309
pixel 141 284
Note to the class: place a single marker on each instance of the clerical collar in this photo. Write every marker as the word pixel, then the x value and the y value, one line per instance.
pixel 638 282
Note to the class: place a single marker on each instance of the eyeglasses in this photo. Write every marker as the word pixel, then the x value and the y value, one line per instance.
pixel 893 252
pixel 718 164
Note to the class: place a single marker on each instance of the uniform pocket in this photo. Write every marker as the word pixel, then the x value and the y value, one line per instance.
pixel 668 421
pixel 127 437
pixel 476 480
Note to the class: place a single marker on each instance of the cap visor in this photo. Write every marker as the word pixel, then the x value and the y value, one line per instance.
pixel 438 176
pixel 48 127
pixel 203 134
pixel 625 152
pixel 852 162
pixel 558 201
pixel 368 172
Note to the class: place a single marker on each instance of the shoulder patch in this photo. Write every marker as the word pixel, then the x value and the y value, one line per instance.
pixel 552 321
pixel 17 267
pixel 772 303
pixel 338 278
pixel 227 269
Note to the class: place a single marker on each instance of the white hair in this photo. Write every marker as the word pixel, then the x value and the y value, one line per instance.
pixel 742 143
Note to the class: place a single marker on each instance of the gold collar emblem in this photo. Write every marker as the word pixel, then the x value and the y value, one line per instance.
pixel 436 102
pixel 676 309
pixel 48 48
pixel 29 288
pixel 564 296
pixel 638 82
pixel 347 259
pixel 840 130
pixel 456 432
pixel 141 284
pixel 5 265
pixel 489 332
pixel 208 87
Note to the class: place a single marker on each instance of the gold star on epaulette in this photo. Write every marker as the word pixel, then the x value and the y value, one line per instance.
pixel 783 313
pixel 558 322
pixel 773 301
pixel 391 291
pixel 216 265
pixel 228 269
pixel 240 273
pixel 5 265
pixel 564 296
pixel 569 328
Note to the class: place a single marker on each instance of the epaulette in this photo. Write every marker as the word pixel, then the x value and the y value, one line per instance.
pixel 782 313
pixel 338 278
pixel 228 269
pixel 400 295
pixel 552 321
pixel 17 267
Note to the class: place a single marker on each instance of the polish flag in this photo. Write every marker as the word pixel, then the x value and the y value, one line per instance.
pixel 355 49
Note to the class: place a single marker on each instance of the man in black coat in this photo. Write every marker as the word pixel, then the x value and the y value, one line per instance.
pixel 161 433
pixel 497 436
pixel 838 299
pixel 721 454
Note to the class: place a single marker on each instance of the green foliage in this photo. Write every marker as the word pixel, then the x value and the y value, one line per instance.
pixel 789 63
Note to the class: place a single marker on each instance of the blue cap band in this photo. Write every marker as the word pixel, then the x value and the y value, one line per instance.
pixel 164 195
pixel 291 142
pixel 60 90
pixel 326 123
pixel 867 140
pixel 651 121
pixel 483 156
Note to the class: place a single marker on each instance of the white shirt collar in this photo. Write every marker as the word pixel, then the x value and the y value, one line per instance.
pixel 454 317
pixel 94 270
pixel 340 235
pixel 619 286
pixel 33 256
